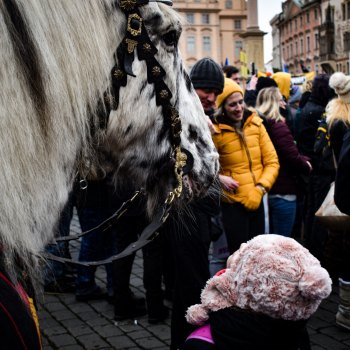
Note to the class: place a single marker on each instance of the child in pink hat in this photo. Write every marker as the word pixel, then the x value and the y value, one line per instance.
pixel 262 300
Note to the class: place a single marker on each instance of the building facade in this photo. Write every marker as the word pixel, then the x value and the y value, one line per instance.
pixel 312 34
pixel 217 29
pixel 335 36
pixel 296 33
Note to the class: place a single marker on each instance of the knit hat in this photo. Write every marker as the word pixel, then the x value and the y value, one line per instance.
pixel 230 88
pixel 341 85
pixel 207 74
pixel 283 81
pixel 265 82
pixel 270 274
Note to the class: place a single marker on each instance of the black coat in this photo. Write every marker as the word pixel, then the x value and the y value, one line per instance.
pixel 291 161
pixel 310 118
pixel 342 180
pixel 239 329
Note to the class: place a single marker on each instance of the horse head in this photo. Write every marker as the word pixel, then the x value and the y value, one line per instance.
pixel 139 133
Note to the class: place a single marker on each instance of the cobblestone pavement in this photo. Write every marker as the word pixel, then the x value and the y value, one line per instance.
pixel 70 325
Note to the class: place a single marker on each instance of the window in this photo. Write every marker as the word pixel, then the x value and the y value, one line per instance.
pixel 307 17
pixel 308 44
pixel 228 4
pixel 191 44
pixel 347 41
pixel 296 24
pixel 190 18
pixel 301 21
pixel 238 24
pixel 316 68
pixel 343 11
pixel 301 46
pixel 238 48
pixel 296 48
pixel 316 41
pixel 206 44
pixel 316 14
pixel 205 18
pixel 348 10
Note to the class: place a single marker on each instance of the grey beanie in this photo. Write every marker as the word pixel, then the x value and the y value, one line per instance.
pixel 207 74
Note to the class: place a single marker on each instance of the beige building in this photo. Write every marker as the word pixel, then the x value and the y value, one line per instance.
pixel 220 29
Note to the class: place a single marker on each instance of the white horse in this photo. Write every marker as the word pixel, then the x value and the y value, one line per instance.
pixel 56 61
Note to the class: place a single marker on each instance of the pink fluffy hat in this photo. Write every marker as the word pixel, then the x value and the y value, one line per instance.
pixel 269 274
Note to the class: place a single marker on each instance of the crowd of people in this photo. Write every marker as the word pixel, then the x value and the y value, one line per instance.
pixel 280 147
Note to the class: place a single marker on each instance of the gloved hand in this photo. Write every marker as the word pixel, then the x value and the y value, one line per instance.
pixel 253 199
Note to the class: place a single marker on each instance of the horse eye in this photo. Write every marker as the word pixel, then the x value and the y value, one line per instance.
pixel 170 38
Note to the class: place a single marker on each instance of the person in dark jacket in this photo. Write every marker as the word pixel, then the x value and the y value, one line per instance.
pixel 255 86
pixel 342 183
pixel 338 244
pixel 323 173
pixel 282 196
pixel 189 231
pixel 262 300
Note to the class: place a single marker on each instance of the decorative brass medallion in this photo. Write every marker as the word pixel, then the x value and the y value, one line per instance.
pixel 156 71
pixel 131 45
pixel 127 5
pixel 164 94
pixel 147 47
pixel 138 19
pixel 118 74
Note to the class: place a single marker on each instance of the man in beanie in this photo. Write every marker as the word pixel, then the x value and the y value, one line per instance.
pixel 208 80
pixel 189 231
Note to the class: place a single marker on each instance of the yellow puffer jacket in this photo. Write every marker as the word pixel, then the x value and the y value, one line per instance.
pixel 249 158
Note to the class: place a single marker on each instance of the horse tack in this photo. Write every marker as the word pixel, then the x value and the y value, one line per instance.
pixel 137 38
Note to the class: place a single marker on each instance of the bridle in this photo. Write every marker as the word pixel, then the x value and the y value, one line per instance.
pixel 137 38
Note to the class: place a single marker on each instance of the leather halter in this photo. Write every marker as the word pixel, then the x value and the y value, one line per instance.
pixel 136 38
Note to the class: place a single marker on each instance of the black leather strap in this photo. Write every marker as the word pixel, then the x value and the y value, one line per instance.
pixel 147 235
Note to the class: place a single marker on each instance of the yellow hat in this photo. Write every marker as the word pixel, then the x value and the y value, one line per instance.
pixel 230 88
pixel 283 81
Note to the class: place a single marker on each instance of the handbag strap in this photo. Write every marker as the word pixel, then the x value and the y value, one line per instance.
pixel 334 160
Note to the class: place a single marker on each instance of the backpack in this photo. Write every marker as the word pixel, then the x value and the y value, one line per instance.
pixel 322 147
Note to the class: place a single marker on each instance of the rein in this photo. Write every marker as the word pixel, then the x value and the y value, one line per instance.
pixel 137 38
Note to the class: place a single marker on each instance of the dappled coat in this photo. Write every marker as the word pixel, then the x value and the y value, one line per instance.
pixel 248 157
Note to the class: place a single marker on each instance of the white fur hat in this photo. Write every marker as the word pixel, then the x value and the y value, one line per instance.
pixel 270 274
pixel 341 85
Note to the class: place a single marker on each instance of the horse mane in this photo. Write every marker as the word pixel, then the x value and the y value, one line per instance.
pixel 56 60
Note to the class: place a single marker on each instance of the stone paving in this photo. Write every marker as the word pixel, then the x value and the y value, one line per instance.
pixel 70 325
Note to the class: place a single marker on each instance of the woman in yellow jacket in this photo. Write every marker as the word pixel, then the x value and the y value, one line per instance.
pixel 249 165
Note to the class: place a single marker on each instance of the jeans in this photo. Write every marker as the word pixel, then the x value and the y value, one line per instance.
pixel 55 270
pixel 96 245
pixel 282 216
